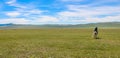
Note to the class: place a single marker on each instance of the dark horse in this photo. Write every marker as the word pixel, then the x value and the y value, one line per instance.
pixel 95 33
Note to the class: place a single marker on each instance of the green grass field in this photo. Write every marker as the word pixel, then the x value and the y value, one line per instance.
pixel 59 43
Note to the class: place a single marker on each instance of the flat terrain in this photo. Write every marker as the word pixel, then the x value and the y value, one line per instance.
pixel 59 43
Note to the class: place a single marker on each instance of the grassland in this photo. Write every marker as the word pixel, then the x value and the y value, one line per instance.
pixel 59 43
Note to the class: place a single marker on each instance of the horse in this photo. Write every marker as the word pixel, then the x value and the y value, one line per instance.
pixel 95 34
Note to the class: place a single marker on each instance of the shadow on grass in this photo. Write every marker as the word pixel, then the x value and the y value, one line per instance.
pixel 98 38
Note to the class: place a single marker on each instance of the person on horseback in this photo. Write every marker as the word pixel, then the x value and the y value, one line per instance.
pixel 95 32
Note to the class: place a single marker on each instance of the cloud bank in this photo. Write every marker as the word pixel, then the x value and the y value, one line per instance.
pixel 72 12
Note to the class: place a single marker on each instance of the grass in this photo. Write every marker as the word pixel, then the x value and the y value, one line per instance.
pixel 59 43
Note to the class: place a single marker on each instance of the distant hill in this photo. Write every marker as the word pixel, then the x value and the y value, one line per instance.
pixel 90 25
pixel 104 24
pixel 9 24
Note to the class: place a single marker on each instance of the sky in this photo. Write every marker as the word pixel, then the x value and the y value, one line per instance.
pixel 59 11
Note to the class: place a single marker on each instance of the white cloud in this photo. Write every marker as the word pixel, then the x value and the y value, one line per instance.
pixel 15 4
pixel 26 10
pixel 15 21
pixel 30 12
pixel 11 1
pixel 47 19
pixel 74 13
pixel 95 19
pixel 37 20
pixel 91 11
pixel 77 10
pixel 84 14
pixel 13 14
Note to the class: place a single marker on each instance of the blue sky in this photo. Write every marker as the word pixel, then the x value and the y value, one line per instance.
pixel 59 11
